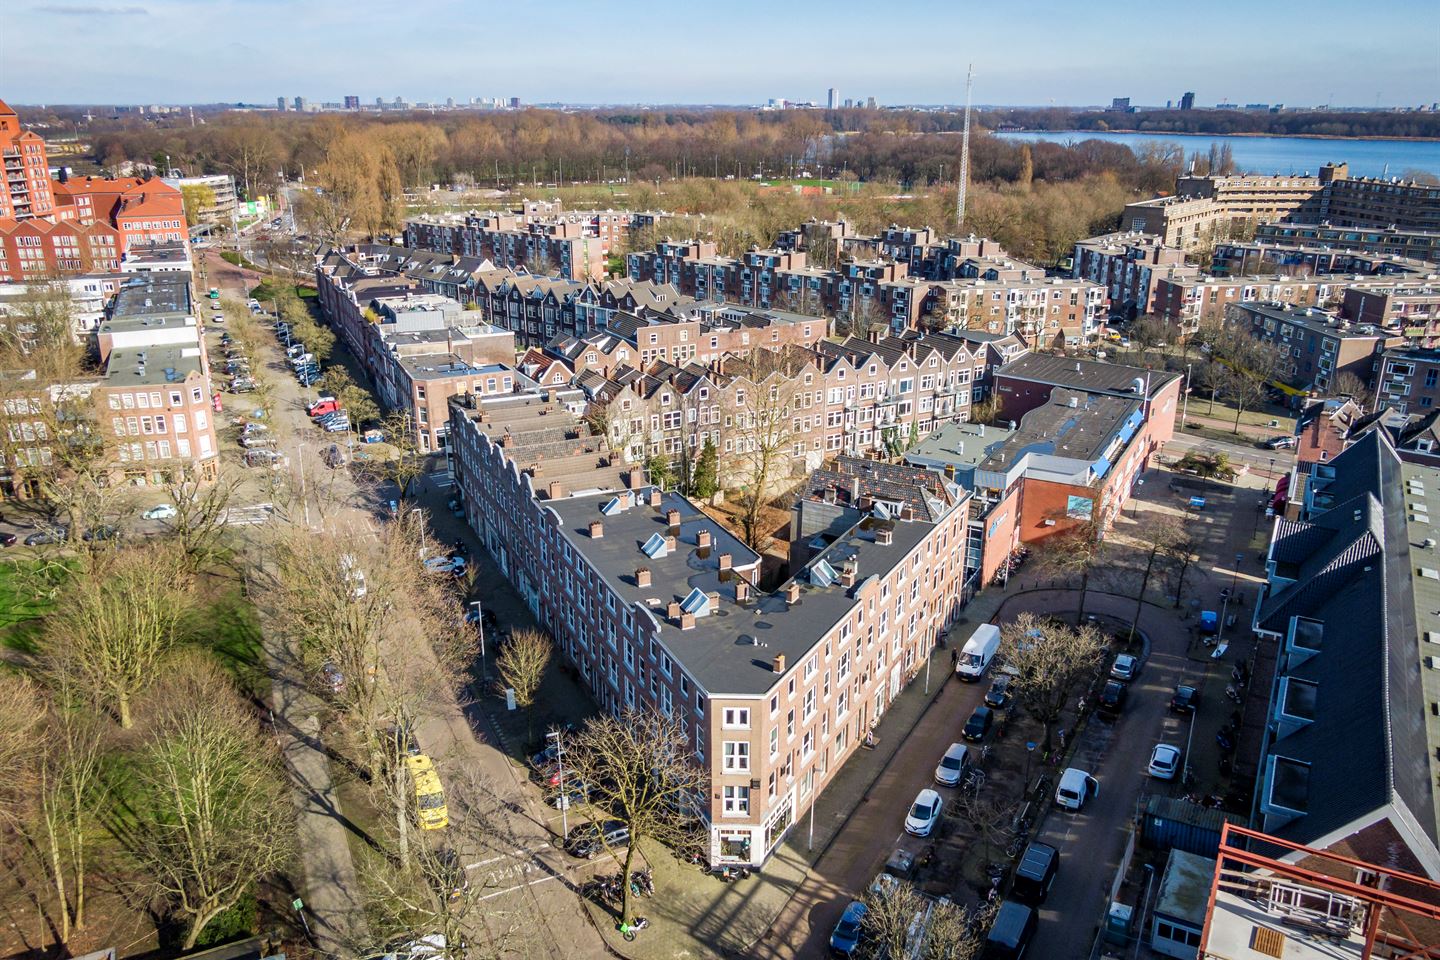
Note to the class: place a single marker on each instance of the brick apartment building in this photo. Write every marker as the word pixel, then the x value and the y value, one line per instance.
pixel 1412 305
pixel 152 401
pixel 37 248
pixel 1319 345
pixel 658 607
pixel 1408 380
pixel 1191 301
pixel 1301 259
pixel 142 210
pixel 27 170
pixel 1385 240
pixel 1127 265
pixel 571 246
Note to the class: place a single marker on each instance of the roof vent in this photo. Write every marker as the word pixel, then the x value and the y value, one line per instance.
pixel 655 547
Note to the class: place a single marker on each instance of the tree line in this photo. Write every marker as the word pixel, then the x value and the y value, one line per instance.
pixel 1309 123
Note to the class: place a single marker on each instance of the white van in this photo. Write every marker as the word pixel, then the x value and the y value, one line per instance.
pixel 978 651
pixel 1076 786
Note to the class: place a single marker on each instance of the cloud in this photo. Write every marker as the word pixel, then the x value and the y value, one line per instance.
pixel 64 10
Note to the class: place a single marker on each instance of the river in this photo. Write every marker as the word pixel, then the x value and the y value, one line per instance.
pixel 1284 155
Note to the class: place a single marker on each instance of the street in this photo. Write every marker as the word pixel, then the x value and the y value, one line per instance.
pixel 527 883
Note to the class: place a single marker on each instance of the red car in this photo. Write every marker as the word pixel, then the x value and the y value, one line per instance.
pixel 327 406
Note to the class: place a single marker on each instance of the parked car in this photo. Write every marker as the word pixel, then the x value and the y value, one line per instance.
pixel 163 511
pixel 1036 873
pixel 1112 699
pixel 8 539
pixel 337 426
pixel 1125 667
pixel 1184 699
pixel 56 534
pixel 323 407
pixel 444 565
pixel 1011 931
pixel 1075 787
pixel 924 813
pixel 591 839
pixel 100 532
pixel 998 696
pixel 952 766
pixel 845 938
pixel 979 724
pixel 1281 443
pixel 1164 762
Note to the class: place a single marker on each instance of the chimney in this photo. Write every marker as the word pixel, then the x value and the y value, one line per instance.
pixel 635 479
pixel 792 592
pixel 778 664
pixel 670 544
pixel 714 597
pixel 854 490
pixel 742 590
pixel 849 573
pixel 673 611
pixel 655 497
pixel 725 562
pixel 597 529
pixel 555 490
pixel 687 621
pixel 642 576
pixel 884 536
pixel 672 517
pixel 702 539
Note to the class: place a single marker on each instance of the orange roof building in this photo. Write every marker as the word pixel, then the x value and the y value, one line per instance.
pixel 26 191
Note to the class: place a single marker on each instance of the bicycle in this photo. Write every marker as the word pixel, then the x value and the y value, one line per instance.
pixel 628 930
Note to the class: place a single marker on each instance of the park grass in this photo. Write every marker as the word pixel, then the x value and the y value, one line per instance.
pixel 22 606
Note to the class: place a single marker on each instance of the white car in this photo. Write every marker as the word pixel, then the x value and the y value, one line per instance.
pixel 1164 762
pixel 164 511
pixel 924 813
pixel 952 765
pixel 1125 667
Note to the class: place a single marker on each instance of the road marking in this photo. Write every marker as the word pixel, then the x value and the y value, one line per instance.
pixel 521 886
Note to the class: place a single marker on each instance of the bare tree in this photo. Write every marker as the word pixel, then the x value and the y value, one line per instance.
pixel 1181 548
pixel 1346 384
pixel 954 932
pixel 522 663
pixel 199 521
pixel 891 911
pixel 1159 534
pixel 640 766
pixel 767 395
pixel 115 625
pixel 67 794
pixel 21 713
pixel 1050 662
pixel 988 813
pixel 1079 549
pixel 212 815
pixel 408 464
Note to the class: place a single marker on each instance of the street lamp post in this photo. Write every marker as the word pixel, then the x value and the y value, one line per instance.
pixel 563 802
pixel 304 501
pixel 1185 401
pixel 1029 753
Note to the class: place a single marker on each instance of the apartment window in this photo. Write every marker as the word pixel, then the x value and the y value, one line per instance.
pixel 737 801
pixel 774 704
pixel 737 756
pixel 807 745
pixel 736 718
pixel 790 724
pixel 809 704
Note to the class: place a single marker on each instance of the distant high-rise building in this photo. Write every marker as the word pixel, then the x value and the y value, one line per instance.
pixel 380 101
pixel 849 102
pixel 870 103
pixel 352 103
pixel 398 101
pixel 299 103
pixel 1120 105
pixel 833 101
pixel 1187 102
pixel 450 103
pixel 514 103
pixel 280 104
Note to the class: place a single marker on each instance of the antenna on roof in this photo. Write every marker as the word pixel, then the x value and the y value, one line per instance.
pixel 964 154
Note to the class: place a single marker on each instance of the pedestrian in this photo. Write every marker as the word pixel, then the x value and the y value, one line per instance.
pixel 1080 707
pixel 954 659
pixel 1062 738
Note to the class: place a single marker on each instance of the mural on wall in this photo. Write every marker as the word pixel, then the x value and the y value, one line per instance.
pixel 1078 508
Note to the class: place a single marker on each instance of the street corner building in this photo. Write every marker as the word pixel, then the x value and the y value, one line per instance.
pixel 659 607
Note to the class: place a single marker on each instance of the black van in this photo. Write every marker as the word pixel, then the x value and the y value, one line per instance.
pixel 1011 932
pixel 1036 873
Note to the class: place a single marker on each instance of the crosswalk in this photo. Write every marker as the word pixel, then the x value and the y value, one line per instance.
pixel 249 516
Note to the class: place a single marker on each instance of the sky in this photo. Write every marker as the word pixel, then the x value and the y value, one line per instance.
pixel 732 52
